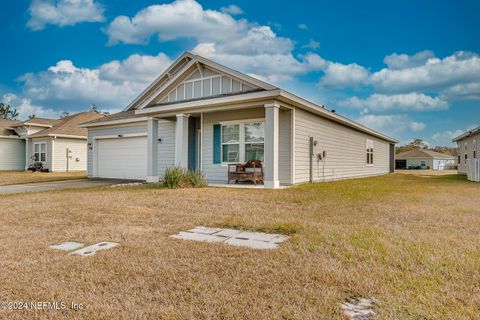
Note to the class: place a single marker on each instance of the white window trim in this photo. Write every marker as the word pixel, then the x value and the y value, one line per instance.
pixel 241 139
pixel 369 144
pixel 40 151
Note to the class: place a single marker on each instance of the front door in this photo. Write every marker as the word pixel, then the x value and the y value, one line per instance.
pixel 199 150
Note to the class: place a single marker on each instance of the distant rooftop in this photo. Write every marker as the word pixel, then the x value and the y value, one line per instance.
pixel 424 153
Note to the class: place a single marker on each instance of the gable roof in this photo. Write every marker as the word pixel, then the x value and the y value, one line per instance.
pixel 143 107
pixel 69 126
pixel 6 127
pixel 39 122
pixel 188 61
pixel 424 153
pixel 467 134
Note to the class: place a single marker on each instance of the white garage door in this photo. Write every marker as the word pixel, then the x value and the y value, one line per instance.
pixel 123 158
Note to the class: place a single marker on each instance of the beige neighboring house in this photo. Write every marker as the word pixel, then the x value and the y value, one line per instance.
pixel 468 145
pixel 60 144
pixel 203 116
pixel 426 159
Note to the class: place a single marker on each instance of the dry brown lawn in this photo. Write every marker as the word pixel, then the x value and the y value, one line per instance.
pixel 410 242
pixel 19 177
pixel 428 172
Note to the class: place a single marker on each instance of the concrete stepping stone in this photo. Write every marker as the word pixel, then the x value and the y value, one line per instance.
pixel 91 250
pixel 198 237
pixel 358 308
pixel 254 240
pixel 66 246
pixel 204 230
pixel 251 243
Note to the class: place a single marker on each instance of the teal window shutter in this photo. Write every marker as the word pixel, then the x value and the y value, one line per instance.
pixel 217 145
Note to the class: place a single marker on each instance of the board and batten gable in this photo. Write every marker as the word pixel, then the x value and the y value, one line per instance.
pixel 206 84
pixel 345 147
pixel 166 147
pixel 12 151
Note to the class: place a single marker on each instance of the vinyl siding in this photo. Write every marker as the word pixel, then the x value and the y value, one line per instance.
pixel 218 172
pixel 346 154
pixel 285 147
pixel 12 154
pixel 462 167
pixel 78 148
pixel 166 148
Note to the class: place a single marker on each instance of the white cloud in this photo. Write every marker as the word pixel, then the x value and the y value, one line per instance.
pixel 25 107
pixel 445 138
pixel 312 44
pixel 396 103
pixel 303 26
pixel 466 91
pixel 391 124
pixel 232 9
pixel 63 13
pixel 257 49
pixel 179 19
pixel 112 85
pixel 344 75
pixel 434 75
pixel 403 61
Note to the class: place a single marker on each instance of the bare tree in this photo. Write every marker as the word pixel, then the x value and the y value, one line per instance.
pixel 6 112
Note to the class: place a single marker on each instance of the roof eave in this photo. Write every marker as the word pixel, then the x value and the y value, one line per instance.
pixel 262 95
pixel 113 122
pixel 466 134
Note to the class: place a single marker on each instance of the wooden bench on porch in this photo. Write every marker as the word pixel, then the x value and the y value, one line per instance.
pixel 252 171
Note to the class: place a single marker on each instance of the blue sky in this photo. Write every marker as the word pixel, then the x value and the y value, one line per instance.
pixel 408 69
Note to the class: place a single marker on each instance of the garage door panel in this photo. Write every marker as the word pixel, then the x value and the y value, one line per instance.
pixel 124 158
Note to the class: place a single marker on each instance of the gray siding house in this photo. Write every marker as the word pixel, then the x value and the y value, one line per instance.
pixel 203 116
pixel 468 145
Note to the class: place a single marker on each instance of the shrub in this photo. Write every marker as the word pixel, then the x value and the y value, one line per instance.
pixel 176 177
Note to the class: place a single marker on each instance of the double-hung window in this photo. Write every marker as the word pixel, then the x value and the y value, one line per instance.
pixel 254 140
pixel 40 152
pixel 243 141
pixel 231 143
pixel 369 149
pixel 474 149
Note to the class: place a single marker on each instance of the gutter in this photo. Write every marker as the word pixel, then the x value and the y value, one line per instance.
pixel 279 94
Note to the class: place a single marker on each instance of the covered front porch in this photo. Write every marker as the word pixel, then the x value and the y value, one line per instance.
pixel 210 139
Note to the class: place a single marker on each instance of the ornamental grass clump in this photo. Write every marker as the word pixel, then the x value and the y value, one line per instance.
pixel 176 177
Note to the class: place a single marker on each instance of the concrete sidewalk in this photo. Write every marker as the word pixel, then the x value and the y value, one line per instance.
pixel 58 185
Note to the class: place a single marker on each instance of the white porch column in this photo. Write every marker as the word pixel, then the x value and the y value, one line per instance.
pixel 27 153
pixel 181 141
pixel 152 150
pixel 271 145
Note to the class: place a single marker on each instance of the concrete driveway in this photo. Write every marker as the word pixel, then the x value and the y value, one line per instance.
pixel 58 185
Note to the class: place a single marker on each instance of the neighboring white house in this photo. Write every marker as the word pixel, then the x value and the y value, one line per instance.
pixel 468 145
pixel 60 145
pixel 12 140
pixel 426 159
pixel 201 115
